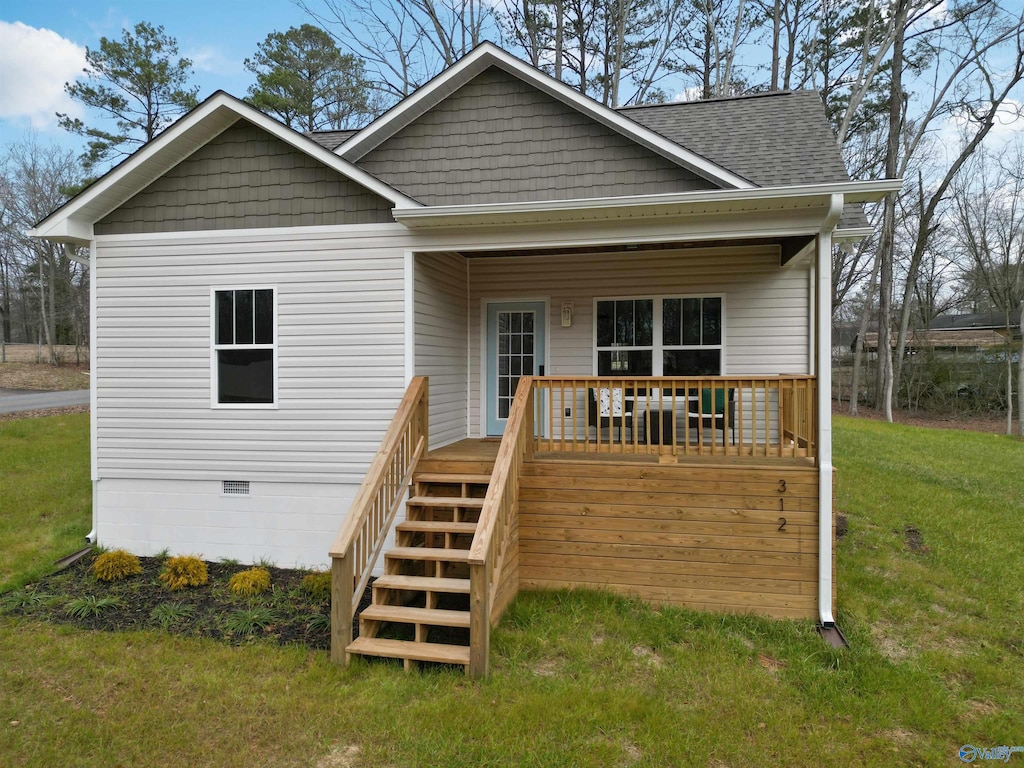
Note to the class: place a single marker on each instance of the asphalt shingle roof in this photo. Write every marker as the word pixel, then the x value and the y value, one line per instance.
pixel 771 139
pixel 330 139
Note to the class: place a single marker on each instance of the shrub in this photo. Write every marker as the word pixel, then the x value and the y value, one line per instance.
pixel 251 582
pixel 89 606
pixel 116 566
pixel 249 621
pixel 184 571
pixel 318 624
pixel 317 585
pixel 168 614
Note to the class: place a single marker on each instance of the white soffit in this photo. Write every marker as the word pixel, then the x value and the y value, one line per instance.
pixel 487 55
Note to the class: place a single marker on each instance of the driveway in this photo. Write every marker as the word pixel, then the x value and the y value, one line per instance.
pixel 15 400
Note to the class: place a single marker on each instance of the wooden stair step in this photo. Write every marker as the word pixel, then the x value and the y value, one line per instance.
pixel 434 617
pixel 441 554
pixel 423 584
pixel 451 478
pixel 436 526
pixel 408 649
pixel 446 501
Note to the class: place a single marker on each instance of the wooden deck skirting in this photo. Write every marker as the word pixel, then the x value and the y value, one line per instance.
pixel 361 538
pixel 709 537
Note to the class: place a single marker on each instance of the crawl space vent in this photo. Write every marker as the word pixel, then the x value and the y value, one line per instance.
pixel 236 488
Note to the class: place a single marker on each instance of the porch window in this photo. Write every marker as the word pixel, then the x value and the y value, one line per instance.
pixel 244 347
pixel 625 337
pixel 659 336
pixel 692 337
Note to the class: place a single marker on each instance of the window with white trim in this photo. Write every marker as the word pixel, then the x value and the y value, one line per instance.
pixel 244 347
pixel 659 336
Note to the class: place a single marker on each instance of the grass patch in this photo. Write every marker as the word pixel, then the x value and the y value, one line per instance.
pixel 589 679
pixel 45 494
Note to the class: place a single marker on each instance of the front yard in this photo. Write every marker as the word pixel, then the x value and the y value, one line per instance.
pixel 931 596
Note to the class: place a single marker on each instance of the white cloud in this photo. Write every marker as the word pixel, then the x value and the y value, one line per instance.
pixel 1008 126
pixel 207 58
pixel 34 65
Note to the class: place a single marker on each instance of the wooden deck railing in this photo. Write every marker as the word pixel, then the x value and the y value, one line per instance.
pixel 361 538
pixel 493 559
pixel 773 416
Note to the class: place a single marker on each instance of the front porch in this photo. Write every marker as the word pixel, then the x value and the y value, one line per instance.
pixel 700 518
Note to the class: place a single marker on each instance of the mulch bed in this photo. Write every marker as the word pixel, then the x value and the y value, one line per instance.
pixel 294 615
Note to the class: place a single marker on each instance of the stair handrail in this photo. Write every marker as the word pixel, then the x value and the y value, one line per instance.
pixel 489 554
pixel 359 542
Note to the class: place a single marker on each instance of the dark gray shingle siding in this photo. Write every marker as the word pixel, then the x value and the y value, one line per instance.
pixel 498 139
pixel 775 139
pixel 246 178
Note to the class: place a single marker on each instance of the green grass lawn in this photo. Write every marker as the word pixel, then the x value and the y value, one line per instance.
pixel 45 494
pixel 585 679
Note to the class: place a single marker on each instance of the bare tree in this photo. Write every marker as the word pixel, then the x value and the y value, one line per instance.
pixel 974 90
pixel 404 42
pixel 988 215
pixel 36 180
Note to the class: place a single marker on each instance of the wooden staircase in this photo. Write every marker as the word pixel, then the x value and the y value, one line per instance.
pixel 420 607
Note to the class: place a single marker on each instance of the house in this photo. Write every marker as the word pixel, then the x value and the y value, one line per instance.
pixel 504 336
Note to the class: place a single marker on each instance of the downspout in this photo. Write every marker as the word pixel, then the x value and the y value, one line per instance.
pixel 824 373
pixel 93 379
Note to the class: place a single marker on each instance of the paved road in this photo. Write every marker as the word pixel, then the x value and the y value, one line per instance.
pixel 15 400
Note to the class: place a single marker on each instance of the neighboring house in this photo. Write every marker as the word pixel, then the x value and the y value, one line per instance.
pixel 265 306
pixel 966 337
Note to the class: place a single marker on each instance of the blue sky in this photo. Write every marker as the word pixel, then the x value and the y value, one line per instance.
pixel 34 64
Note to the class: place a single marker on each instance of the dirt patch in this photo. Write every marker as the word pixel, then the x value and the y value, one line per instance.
pixel 286 613
pixel 44 412
pixel 888 644
pixel 770 663
pixel 989 423
pixel 649 655
pixel 977 708
pixel 914 539
pixel 340 757
pixel 42 377
pixel 842 525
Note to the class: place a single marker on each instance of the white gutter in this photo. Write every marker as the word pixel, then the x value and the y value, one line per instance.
pixel 824 372
pixel 851 191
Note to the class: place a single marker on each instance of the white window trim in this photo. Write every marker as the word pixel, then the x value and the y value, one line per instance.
pixel 657 347
pixel 214 348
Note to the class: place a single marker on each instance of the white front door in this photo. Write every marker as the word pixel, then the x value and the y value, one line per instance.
pixel 515 348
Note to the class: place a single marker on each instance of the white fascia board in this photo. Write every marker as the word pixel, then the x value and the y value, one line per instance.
pixel 74 220
pixel 488 54
pixel 670 203
pixel 852 234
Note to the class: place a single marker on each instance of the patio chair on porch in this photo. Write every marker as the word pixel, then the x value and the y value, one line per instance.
pixel 612 412
pixel 713 415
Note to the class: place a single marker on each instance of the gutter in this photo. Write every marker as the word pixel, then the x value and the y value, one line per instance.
pixel 824 373
pixel 850 191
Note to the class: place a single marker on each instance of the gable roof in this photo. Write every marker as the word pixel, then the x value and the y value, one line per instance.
pixel 489 55
pixel 774 139
pixel 72 222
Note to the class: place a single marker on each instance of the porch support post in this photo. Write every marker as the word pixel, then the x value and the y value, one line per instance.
pixel 824 372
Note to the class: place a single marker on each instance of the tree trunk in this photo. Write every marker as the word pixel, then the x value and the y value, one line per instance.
pixel 776 22
pixel 858 349
pixel 1020 376
pixel 887 249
